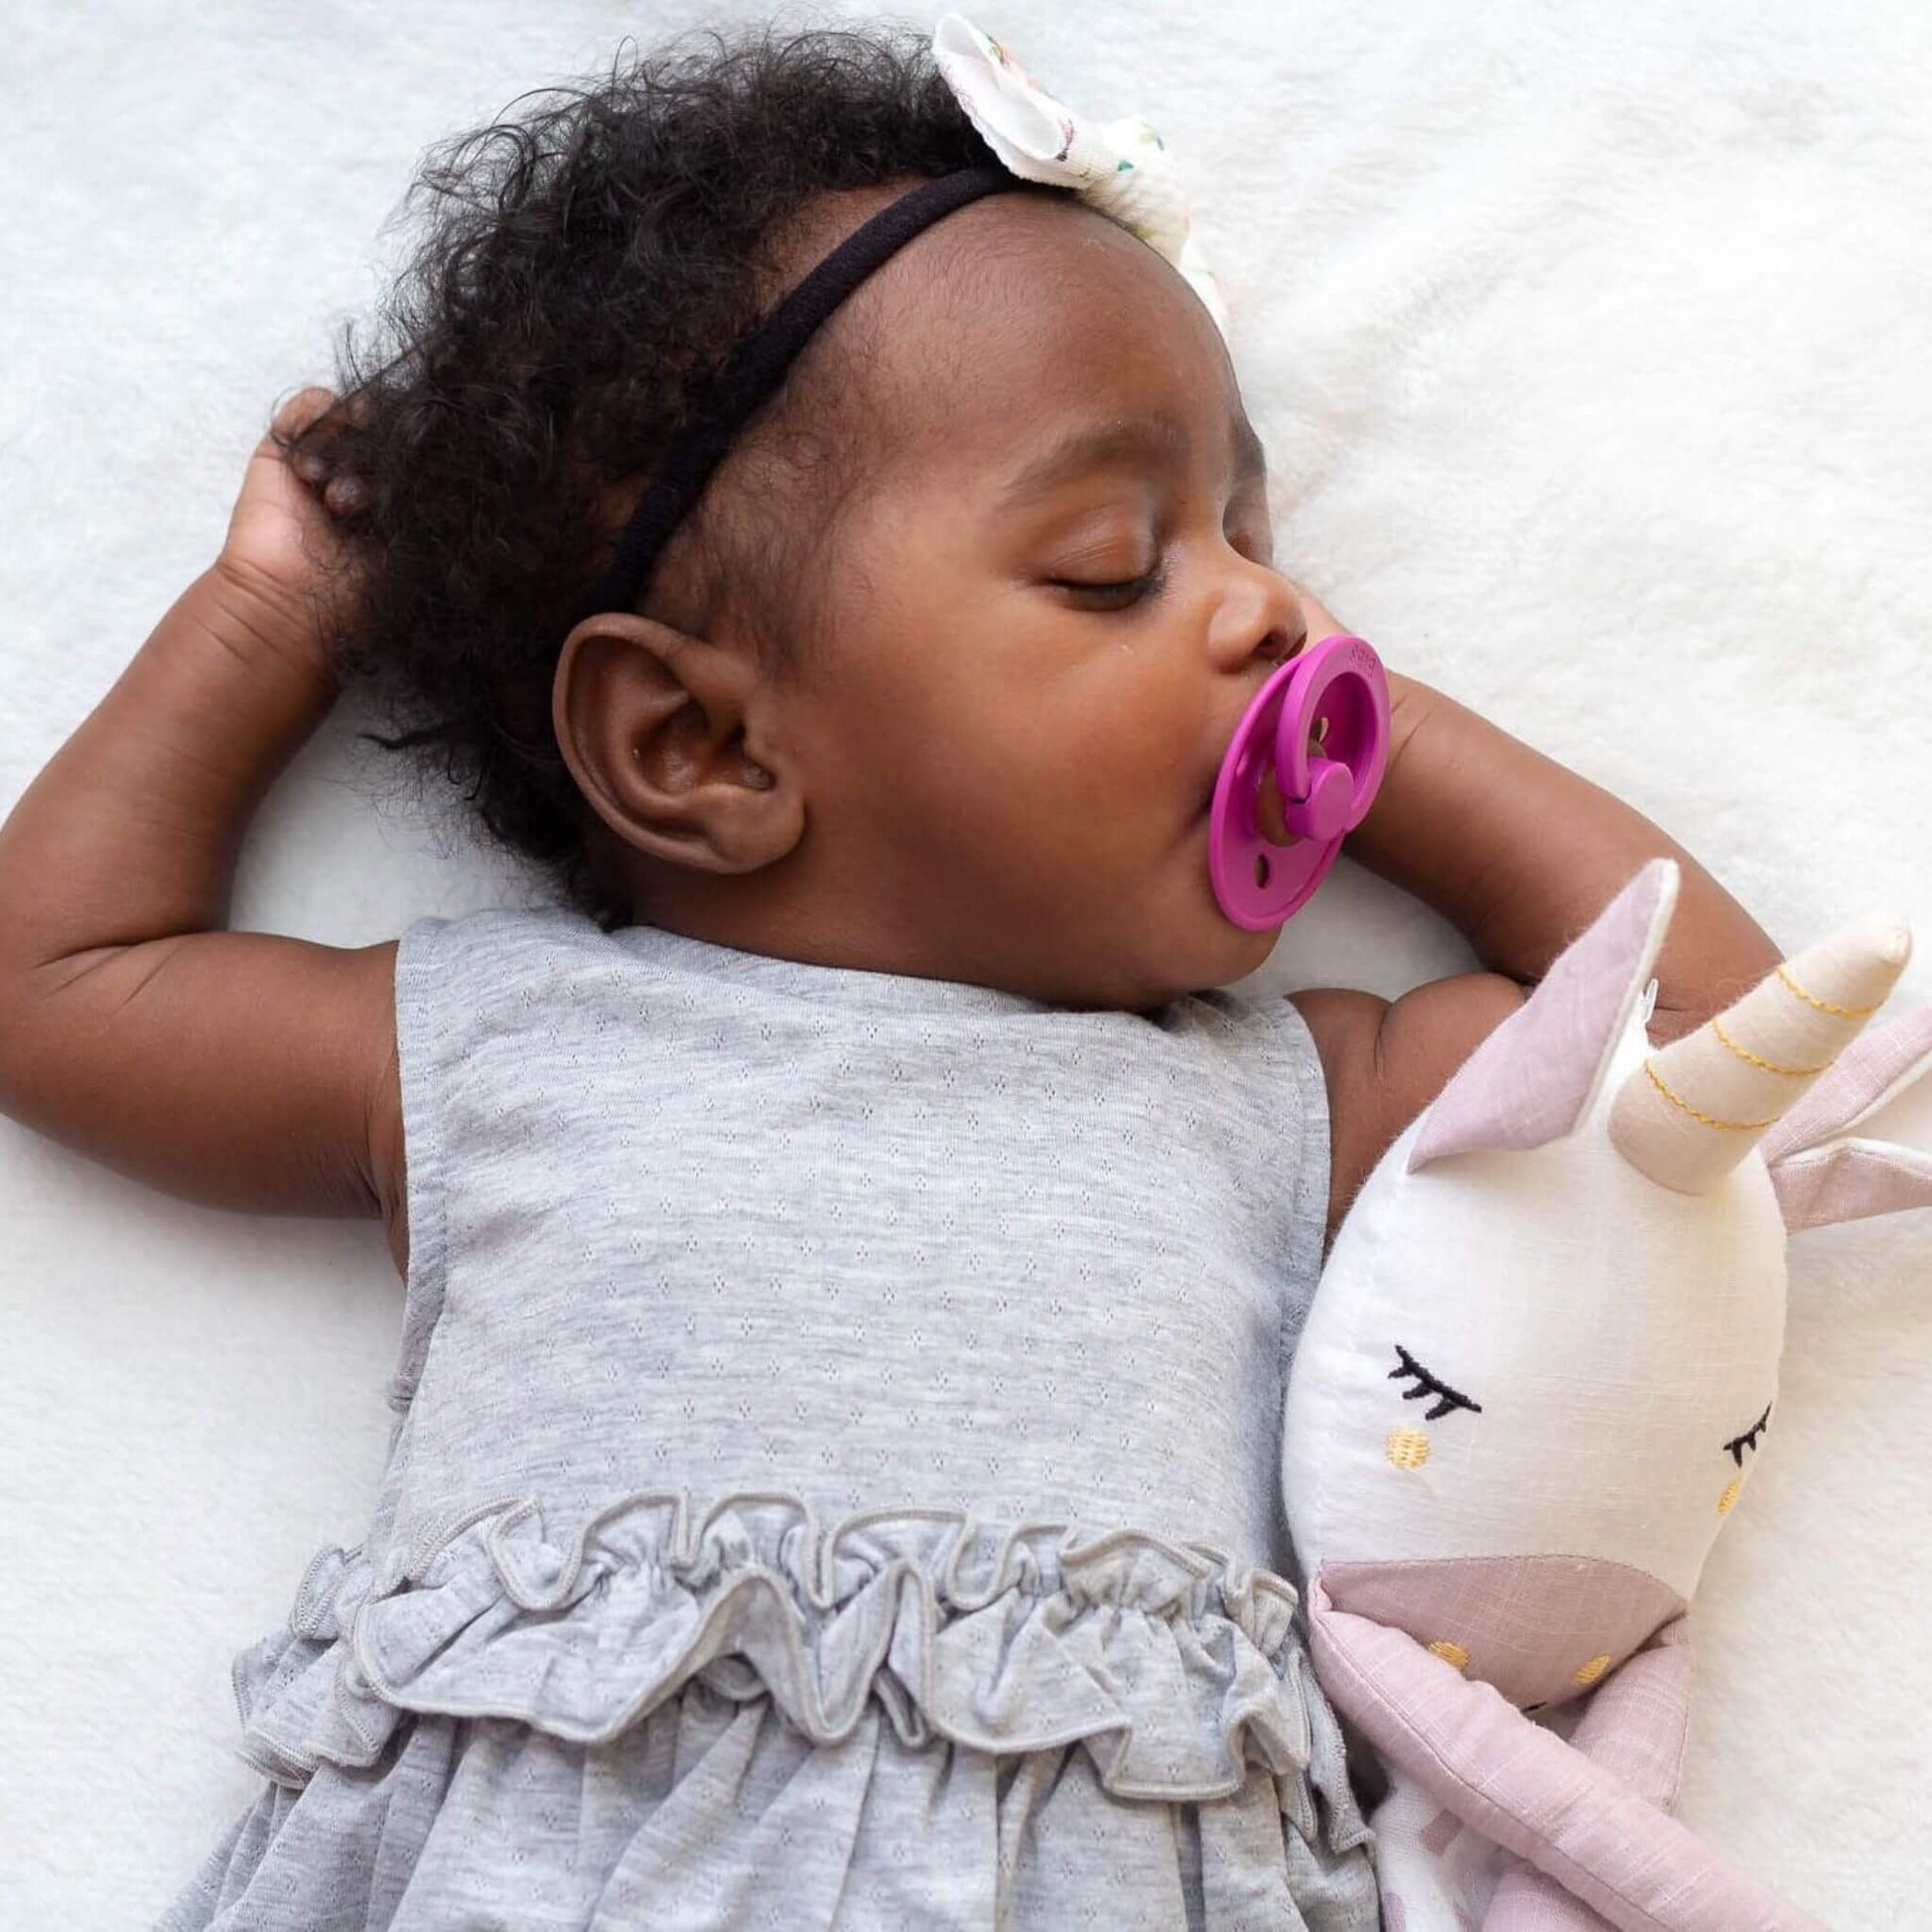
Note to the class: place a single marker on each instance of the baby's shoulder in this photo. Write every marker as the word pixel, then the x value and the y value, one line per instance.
pixel 387 1168
pixel 445 978
pixel 1384 1061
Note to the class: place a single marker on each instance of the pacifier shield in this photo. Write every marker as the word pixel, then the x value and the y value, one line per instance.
pixel 1338 691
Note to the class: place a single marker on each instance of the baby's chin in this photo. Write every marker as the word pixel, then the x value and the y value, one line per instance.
pixel 1246 952
pixel 1234 943
pixel 1204 949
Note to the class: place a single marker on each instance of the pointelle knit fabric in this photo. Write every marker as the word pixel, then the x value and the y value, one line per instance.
pixel 835 1472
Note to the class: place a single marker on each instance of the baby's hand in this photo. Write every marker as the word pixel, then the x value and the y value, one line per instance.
pixel 284 560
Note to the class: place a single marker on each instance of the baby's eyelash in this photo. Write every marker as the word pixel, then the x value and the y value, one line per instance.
pixel 1141 587
pixel 1748 1439
pixel 1449 1398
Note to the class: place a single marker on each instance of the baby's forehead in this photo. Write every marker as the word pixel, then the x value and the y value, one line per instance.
pixel 1037 319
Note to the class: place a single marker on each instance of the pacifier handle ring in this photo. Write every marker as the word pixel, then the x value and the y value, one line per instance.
pixel 1365 757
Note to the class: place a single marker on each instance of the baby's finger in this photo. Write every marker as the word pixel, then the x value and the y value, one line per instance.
pixel 302 409
pixel 344 495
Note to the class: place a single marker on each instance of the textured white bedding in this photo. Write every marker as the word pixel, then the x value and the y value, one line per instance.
pixel 1589 345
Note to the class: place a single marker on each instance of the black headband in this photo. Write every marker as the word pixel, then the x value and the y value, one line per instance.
pixel 759 363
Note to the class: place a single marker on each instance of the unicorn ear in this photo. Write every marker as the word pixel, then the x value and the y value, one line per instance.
pixel 1536 1076
pixel 1859 1143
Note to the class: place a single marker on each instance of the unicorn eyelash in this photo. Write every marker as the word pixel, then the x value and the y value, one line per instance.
pixel 1447 1396
pixel 1748 1439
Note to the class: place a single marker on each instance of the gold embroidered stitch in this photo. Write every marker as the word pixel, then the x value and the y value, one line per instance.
pixel 1825 1006
pixel 1770 1066
pixel 1678 1100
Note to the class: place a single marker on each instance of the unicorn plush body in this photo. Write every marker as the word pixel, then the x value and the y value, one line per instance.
pixel 1540 1363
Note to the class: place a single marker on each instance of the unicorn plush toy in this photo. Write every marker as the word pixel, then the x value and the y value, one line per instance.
pixel 1541 1364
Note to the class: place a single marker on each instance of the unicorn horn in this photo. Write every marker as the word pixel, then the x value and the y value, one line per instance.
pixel 1697 1107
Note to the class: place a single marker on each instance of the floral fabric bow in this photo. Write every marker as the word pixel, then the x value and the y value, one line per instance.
pixel 1121 167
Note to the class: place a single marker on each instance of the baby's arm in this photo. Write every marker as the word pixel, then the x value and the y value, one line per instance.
pixel 1521 855
pixel 232 1069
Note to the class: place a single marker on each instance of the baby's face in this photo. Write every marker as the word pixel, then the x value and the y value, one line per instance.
pixel 1067 600
pixel 1043 624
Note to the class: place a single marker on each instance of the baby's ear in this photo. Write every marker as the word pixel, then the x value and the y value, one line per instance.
pixel 1859 1143
pixel 1536 1076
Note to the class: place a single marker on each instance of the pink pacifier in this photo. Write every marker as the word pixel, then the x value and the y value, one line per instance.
pixel 1335 694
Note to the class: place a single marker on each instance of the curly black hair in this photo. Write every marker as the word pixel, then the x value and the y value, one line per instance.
pixel 586 272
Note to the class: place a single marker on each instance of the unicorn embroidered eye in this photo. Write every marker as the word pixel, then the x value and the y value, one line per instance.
pixel 1447 1396
pixel 1748 1439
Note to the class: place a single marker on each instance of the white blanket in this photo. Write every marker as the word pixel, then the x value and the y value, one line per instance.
pixel 1589 345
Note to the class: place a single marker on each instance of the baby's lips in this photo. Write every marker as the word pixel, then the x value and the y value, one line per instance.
pixel 1268 800
pixel 1269 810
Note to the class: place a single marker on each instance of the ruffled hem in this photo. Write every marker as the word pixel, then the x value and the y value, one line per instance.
pixel 1175 1668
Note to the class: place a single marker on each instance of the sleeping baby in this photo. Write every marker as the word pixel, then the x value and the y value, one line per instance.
pixel 853 1242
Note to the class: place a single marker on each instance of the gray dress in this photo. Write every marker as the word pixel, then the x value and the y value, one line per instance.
pixel 834 1481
